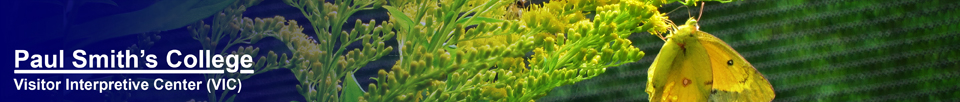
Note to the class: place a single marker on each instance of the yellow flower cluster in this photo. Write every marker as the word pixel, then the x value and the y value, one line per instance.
pixel 489 61
pixel 320 63
pixel 450 50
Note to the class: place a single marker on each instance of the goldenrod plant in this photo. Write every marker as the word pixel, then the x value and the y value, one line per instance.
pixel 450 50
pixel 444 60
pixel 322 64
pixel 230 30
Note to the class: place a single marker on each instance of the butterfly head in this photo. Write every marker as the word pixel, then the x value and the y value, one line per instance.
pixel 685 33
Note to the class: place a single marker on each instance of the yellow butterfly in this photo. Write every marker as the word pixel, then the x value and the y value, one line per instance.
pixel 696 66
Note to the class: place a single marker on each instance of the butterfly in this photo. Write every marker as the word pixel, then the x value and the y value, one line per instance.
pixel 696 66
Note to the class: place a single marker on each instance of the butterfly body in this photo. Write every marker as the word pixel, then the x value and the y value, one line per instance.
pixel 695 66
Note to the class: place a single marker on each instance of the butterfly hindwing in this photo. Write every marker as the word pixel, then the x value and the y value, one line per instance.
pixel 734 79
pixel 692 74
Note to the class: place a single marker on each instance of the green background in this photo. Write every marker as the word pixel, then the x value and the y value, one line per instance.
pixel 816 50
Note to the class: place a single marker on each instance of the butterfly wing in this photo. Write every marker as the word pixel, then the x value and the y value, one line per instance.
pixel 660 69
pixel 680 73
pixel 734 79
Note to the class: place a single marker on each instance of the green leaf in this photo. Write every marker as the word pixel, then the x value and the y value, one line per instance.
pixel 403 19
pixel 162 15
pixel 478 20
pixel 351 89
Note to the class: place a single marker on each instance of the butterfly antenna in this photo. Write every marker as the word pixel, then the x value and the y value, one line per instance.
pixel 702 4
pixel 668 13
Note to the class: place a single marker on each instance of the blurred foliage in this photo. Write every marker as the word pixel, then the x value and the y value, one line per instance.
pixel 817 50
pixel 162 15
pixel 230 30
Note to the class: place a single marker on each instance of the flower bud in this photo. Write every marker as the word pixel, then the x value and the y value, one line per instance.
pixel 469 82
pixel 535 81
pixel 492 75
pixel 455 75
pixel 510 76
pixel 284 59
pixel 358 27
pixel 482 76
pixel 548 44
pixel 427 57
pixel 382 74
pixel 522 83
pixel 618 54
pixel 590 54
pixel 610 37
pixel 402 98
pixel 371 87
pixel 341 64
pixel 485 51
pixel 260 62
pixel 582 72
pixel 607 55
pixel 471 53
pixel 575 37
pixel 414 66
pixel 460 56
pixel 386 51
